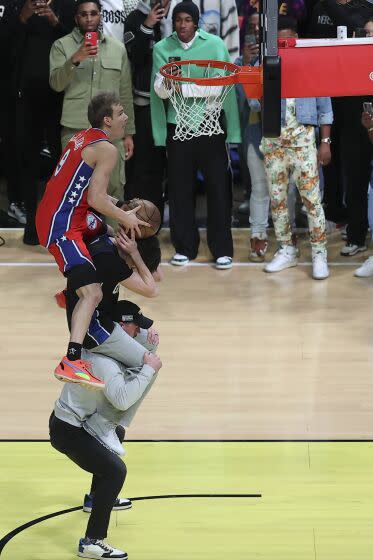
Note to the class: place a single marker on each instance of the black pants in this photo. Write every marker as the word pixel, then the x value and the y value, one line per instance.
pixel 209 155
pixel 108 469
pixel 11 135
pixel 145 170
pixel 40 114
pixel 349 170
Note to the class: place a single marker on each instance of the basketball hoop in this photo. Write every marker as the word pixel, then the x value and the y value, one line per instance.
pixel 198 95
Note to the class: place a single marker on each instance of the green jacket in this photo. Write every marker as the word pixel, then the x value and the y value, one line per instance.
pixel 205 47
pixel 110 71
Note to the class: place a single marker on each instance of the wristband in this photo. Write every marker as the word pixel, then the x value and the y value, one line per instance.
pixel 119 203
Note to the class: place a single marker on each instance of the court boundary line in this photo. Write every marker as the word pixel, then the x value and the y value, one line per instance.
pixel 9 536
pixel 279 440
pixel 190 264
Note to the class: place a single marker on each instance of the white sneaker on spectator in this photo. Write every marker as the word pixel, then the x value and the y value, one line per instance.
pixel 17 211
pixel 223 263
pixel 96 549
pixel 320 269
pixel 179 260
pixel 351 249
pixel 285 257
pixel 366 269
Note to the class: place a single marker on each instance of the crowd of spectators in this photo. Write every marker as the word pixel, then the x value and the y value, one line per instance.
pixel 50 73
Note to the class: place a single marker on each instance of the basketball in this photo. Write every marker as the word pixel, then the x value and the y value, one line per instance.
pixel 148 212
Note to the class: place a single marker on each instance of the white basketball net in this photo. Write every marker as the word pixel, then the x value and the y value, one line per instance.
pixel 197 107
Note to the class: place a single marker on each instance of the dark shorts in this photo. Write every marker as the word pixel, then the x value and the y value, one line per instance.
pixel 81 275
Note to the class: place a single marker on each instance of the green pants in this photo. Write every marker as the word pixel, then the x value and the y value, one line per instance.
pixel 117 177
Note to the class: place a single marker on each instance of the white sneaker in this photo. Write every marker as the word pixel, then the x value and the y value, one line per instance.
pixel 104 431
pixel 366 269
pixel 222 263
pixel 320 269
pixel 285 257
pixel 96 549
pixel 351 249
pixel 179 260
pixel 17 211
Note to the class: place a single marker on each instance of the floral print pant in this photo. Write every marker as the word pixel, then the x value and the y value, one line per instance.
pixel 300 164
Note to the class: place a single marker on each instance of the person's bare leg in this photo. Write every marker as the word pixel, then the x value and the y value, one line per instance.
pixel 89 298
pixel 72 368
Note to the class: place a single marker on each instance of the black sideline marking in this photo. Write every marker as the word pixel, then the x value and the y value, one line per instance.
pixel 21 528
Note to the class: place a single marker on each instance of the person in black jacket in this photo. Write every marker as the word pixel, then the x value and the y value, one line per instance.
pixel 328 14
pixel 9 13
pixel 145 170
pixel 346 178
pixel 37 107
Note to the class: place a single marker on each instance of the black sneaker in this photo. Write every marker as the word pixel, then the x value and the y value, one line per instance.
pixel 30 235
pixel 96 549
pixel 17 211
pixel 351 249
pixel 119 504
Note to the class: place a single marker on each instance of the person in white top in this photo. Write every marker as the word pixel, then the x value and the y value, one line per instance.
pixel 114 14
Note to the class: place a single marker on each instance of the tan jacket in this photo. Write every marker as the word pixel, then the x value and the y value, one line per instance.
pixel 110 71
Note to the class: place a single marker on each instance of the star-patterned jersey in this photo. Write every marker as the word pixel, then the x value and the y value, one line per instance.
pixel 64 207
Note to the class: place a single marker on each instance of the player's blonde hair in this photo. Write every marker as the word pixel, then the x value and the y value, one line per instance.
pixel 101 106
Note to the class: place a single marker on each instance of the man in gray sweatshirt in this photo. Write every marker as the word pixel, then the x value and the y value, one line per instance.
pixel 82 426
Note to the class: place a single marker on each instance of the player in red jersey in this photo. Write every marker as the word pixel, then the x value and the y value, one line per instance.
pixel 79 183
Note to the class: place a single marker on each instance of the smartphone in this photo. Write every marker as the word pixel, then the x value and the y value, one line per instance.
pixel 128 37
pixel 91 38
pixel 155 2
pixel 250 39
pixel 368 108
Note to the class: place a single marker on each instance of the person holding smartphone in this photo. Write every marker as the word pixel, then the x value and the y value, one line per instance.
pixel 114 14
pixel 257 203
pixel 80 70
pixel 145 27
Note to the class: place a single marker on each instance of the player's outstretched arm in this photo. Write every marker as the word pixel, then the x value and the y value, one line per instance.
pixel 105 156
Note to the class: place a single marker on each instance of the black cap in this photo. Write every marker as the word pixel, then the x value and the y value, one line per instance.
pixel 127 312
pixel 186 7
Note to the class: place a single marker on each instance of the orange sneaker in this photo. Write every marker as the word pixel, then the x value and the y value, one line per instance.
pixel 77 371
pixel 60 299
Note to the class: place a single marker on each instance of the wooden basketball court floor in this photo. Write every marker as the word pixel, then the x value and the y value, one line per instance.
pixel 253 443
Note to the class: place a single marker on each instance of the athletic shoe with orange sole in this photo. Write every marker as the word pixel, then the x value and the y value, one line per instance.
pixel 77 371
pixel 60 298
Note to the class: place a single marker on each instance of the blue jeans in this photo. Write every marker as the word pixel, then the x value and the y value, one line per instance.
pixel 259 199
